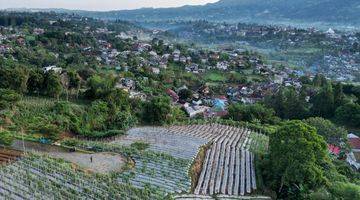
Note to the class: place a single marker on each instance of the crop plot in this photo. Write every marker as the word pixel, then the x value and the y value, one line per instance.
pixel 38 177
pixel 228 167
pixel 162 174
pixel 155 173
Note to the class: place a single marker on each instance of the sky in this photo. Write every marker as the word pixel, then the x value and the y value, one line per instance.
pixel 98 5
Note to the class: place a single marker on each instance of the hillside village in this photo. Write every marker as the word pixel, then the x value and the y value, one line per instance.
pixel 109 109
pixel 331 52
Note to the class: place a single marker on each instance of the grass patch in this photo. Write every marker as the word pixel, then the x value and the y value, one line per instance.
pixel 259 143
pixel 215 77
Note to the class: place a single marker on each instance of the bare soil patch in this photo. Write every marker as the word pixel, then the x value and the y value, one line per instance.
pixel 97 162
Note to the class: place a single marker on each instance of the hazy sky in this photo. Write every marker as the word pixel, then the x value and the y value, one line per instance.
pixel 98 4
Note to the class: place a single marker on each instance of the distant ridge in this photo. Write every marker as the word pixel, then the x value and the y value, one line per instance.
pixel 344 12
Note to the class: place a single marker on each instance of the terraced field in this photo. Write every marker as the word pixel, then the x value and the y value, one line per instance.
pixel 165 140
pixel 38 177
pixel 162 174
pixel 227 170
pixel 228 167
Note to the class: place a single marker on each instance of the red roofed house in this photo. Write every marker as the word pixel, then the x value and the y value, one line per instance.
pixel 173 95
pixel 353 158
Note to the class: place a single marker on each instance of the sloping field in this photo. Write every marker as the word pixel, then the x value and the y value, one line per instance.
pixel 39 177
pixel 103 162
pixel 228 167
pixel 219 197
pixel 166 175
pixel 165 140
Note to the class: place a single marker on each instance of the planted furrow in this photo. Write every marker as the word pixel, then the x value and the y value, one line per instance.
pixel 248 172
pixel 203 172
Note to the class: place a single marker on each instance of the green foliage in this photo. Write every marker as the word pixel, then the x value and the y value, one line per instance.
pixel 323 102
pixel 8 98
pixel 321 194
pixel 53 87
pixel 141 146
pixel 250 113
pixel 50 131
pixel 158 110
pixel 289 104
pixel 345 191
pixel 346 170
pixel 297 158
pixel 15 78
pixel 331 133
pixel 6 138
pixel 349 114
pixel 35 83
pixel 339 96
pixel 185 94
pixel 320 80
pixel 99 87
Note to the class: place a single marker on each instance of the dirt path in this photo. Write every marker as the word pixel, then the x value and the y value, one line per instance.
pixel 97 162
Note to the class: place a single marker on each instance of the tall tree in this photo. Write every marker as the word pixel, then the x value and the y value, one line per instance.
pixel 35 83
pixel 15 79
pixel 158 110
pixel 323 102
pixel 349 114
pixel 339 96
pixel 297 157
pixel 331 133
pixel 53 86
pixel 319 80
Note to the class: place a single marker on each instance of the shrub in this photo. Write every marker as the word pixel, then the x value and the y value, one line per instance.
pixel 321 194
pixel 349 114
pixel 141 146
pixel 325 128
pixel 250 113
pixel 6 138
pixel 345 191
pixel 8 98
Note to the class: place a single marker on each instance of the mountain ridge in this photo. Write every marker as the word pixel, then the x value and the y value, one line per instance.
pixel 344 12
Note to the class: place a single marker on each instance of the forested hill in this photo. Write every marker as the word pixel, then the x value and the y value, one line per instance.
pixel 345 12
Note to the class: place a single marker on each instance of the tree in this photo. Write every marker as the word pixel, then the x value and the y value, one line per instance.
pixel 185 94
pixel 74 81
pixel 6 138
pixel 15 79
pixel 339 96
pixel 305 80
pixel 349 114
pixel 345 191
pixel 295 104
pixel 319 80
pixel 331 133
pixel 53 86
pixel 100 87
pixel 297 156
pixel 323 102
pixel 277 102
pixel 8 98
pixel 289 104
pixel 249 113
pixel 158 110
pixel 35 83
